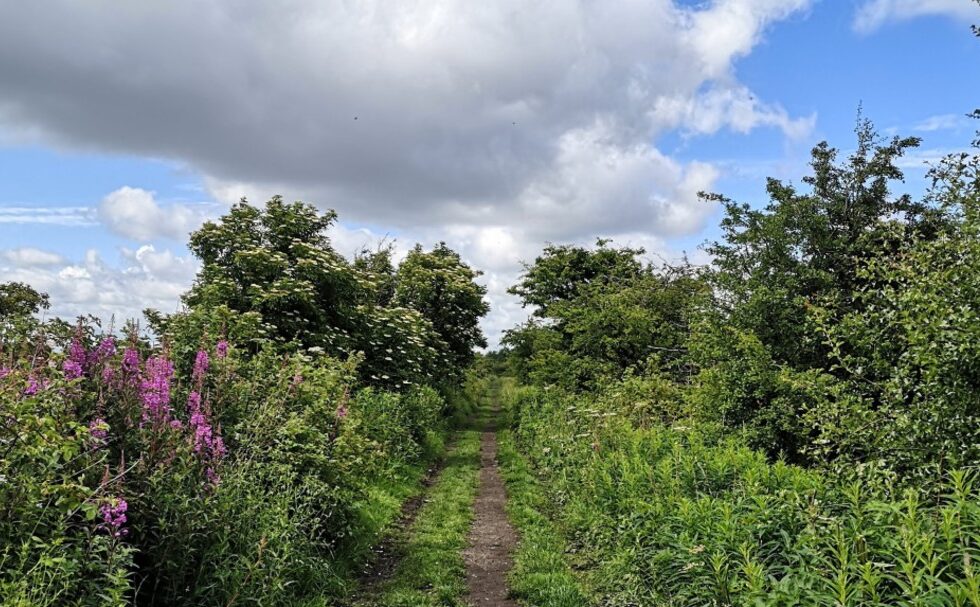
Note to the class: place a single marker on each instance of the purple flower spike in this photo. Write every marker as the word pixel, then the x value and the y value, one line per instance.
pixel 77 353
pixel 131 361
pixel 193 403
pixel 221 349
pixel 105 349
pixel 201 364
pixel 113 513
pixel 72 369
pixel 155 389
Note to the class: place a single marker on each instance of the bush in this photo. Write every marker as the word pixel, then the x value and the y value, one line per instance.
pixel 684 515
pixel 217 481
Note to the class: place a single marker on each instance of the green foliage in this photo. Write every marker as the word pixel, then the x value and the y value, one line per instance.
pixel 601 312
pixel 18 299
pixel 907 350
pixel 19 303
pixel 741 387
pixel 796 424
pixel 442 289
pixel 541 574
pixel 278 262
pixel 379 266
pixel 681 515
pixel 272 276
pixel 278 515
pixel 808 246
pixel 51 552
pixel 560 272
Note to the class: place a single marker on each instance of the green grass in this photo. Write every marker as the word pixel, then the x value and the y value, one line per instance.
pixel 432 571
pixel 541 575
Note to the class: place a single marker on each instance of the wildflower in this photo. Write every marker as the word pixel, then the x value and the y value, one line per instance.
pixel 72 369
pixel 4 372
pixel 33 386
pixel 201 364
pixel 221 349
pixel 108 374
pixel 131 361
pixel 77 354
pixel 99 430
pixel 297 380
pixel 155 389
pixel 193 403
pixel 113 513
pixel 105 349
pixel 341 411
pixel 207 442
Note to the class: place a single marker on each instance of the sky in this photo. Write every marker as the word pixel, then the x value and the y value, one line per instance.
pixel 496 127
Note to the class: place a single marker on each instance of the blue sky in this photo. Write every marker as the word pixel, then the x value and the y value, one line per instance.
pixel 114 143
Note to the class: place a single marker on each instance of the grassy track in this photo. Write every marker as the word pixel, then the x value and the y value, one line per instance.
pixel 541 575
pixel 432 571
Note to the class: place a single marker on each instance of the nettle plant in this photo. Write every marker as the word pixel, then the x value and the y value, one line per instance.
pixel 92 440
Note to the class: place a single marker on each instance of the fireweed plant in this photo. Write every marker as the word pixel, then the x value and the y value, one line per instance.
pixel 241 481
pixel 84 440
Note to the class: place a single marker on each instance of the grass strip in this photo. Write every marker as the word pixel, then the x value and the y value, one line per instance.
pixel 541 576
pixel 432 572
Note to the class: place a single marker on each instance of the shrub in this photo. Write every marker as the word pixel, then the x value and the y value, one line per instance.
pixel 684 515
pixel 217 481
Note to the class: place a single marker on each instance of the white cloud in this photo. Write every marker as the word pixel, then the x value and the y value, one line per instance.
pixel 942 122
pixel 874 13
pixel 414 112
pixel 495 126
pixel 733 107
pixel 135 214
pixel 63 216
pixel 146 278
pixel 31 257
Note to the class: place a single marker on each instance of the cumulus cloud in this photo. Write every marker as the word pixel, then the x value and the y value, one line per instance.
pixel 733 107
pixel 874 13
pixel 145 278
pixel 29 257
pixel 495 126
pixel 413 112
pixel 135 214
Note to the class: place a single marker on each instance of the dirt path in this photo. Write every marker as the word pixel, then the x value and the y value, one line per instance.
pixel 492 538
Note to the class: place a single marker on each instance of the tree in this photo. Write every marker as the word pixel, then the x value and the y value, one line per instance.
pixel 908 351
pixel 806 247
pixel 278 262
pixel 378 266
pixel 440 286
pixel 272 274
pixel 560 272
pixel 18 300
pixel 600 312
